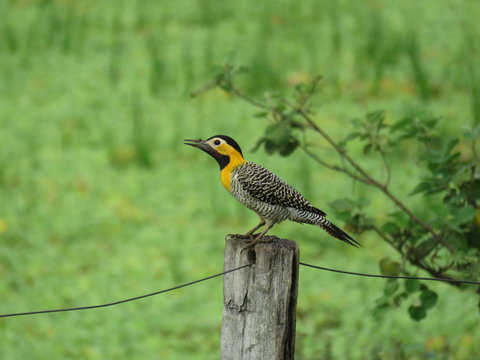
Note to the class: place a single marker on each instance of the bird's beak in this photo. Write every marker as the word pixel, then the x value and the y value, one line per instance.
pixel 193 142
pixel 202 145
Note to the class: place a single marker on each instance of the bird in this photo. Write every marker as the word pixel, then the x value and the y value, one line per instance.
pixel 262 191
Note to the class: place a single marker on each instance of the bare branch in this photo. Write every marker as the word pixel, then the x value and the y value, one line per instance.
pixel 332 167
pixel 234 90
pixel 386 238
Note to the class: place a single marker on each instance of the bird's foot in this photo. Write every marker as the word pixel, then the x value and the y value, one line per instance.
pixel 256 239
pixel 249 235
pixel 249 240
pixel 247 245
pixel 237 237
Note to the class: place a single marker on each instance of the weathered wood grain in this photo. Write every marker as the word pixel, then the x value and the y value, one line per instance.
pixel 260 301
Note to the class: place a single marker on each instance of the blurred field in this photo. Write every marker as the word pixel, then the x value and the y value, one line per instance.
pixel 99 199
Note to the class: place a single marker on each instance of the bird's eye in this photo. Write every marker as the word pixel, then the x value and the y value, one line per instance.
pixel 216 142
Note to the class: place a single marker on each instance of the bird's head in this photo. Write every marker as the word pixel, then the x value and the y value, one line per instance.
pixel 221 147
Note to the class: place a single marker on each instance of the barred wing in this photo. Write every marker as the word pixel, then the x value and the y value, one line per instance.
pixel 263 185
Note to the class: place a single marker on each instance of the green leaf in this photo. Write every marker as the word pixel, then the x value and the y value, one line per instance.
pixel 343 205
pixel 421 129
pixel 257 145
pixel 381 308
pixel 449 144
pixel 289 147
pixel 348 138
pixel 402 124
pixel 471 189
pixel 428 299
pixel 278 133
pixel 367 148
pixel 443 155
pixel 301 88
pixel 472 135
pixel 412 285
pixel 376 117
pixel 424 187
pixel 389 267
pixel 397 300
pixel 426 245
pixel 391 287
pixel 464 215
pixel 270 147
pixel 357 123
pixel 460 216
pixel 417 313
pixel 362 202
pixel 400 218
pixel 261 114
pixel 390 228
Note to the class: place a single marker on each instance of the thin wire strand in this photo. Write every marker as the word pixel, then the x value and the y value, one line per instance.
pixel 125 300
pixel 229 271
pixel 390 276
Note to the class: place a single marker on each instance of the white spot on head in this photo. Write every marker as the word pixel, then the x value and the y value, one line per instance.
pixel 216 142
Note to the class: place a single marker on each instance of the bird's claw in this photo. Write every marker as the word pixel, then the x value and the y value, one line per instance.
pixel 249 243
pixel 237 237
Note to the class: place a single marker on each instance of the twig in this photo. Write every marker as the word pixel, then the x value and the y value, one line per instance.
pixel 387 167
pixel 332 167
pixel 247 98
pixel 203 89
pixel 305 98
pixel 386 238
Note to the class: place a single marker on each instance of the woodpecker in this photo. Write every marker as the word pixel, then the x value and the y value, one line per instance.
pixel 262 191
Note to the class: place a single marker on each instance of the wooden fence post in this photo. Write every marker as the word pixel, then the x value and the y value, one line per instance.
pixel 260 300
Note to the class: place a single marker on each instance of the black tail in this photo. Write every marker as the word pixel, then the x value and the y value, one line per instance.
pixel 338 233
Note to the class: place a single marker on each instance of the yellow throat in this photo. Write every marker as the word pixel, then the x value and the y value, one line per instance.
pixel 236 159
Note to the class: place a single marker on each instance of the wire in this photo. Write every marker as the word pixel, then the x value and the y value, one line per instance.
pixel 390 276
pixel 125 300
pixel 229 271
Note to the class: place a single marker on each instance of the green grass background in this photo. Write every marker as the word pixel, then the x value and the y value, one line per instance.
pixel 99 199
